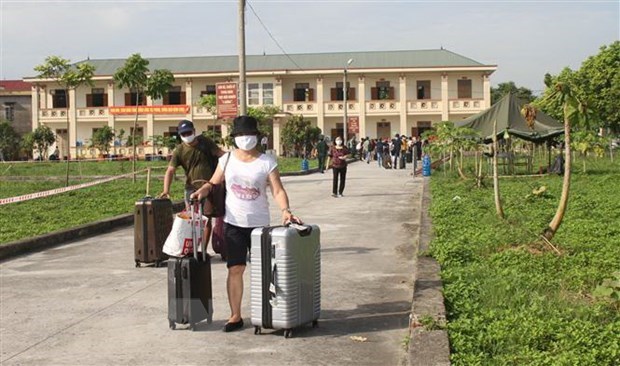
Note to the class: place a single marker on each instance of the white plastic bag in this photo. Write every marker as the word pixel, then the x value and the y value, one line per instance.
pixel 179 242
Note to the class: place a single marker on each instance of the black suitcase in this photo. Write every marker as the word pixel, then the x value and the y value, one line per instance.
pixel 153 219
pixel 401 161
pixel 190 297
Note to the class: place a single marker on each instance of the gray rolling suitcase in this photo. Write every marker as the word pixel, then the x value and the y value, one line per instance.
pixel 189 284
pixel 285 277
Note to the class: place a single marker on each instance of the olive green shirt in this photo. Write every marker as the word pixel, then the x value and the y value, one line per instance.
pixel 198 161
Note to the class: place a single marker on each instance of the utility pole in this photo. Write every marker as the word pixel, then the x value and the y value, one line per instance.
pixel 241 40
pixel 345 91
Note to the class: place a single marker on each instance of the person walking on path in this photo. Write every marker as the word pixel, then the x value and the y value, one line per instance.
pixel 321 151
pixel 338 155
pixel 366 149
pixel 247 172
pixel 197 155
pixel 379 152
pixel 395 151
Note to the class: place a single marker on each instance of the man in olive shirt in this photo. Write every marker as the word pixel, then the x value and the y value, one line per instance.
pixel 197 155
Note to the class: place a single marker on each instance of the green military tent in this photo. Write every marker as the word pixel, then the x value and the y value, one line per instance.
pixel 507 112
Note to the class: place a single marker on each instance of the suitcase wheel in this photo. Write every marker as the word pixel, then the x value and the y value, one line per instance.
pixel 157 264
pixel 192 327
pixel 288 333
pixel 137 264
pixel 315 323
pixel 172 324
pixel 257 330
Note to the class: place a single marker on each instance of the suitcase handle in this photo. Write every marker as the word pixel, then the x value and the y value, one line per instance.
pixel 302 230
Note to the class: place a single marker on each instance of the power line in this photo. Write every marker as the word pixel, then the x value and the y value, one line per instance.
pixel 272 37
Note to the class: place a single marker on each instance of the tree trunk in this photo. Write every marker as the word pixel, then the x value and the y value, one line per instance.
pixel 498 200
pixel 554 225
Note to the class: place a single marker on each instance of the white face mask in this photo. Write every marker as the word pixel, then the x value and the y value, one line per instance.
pixel 188 139
pixel 338 142
pixel 246 142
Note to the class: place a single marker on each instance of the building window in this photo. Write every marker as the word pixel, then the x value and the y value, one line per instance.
pixel 267 94
pixel 9 111
pixel 382 91
pixel 338 94
pixel 59 98
pixel 253 94
pixel 303 93
pixel 464 89
pixel 424 89
pixel 209 90
pixel 174 96
pixel 97 98
pixel 130 98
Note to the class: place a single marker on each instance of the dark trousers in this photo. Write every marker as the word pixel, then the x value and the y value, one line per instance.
pixel 342 173
pixel 321 163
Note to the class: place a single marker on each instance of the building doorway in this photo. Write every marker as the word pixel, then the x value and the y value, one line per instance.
pixel 384 130
pixel 61 142
pixel 422 126
pixel 338 131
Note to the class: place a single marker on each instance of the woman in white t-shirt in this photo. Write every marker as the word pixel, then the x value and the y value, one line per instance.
pixel 247 172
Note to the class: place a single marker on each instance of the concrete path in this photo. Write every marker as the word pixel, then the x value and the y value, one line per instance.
pixel 85 303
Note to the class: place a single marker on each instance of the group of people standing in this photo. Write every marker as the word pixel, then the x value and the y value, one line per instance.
pixel 390 154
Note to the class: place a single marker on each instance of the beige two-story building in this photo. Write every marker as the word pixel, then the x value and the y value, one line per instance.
pixel 388 92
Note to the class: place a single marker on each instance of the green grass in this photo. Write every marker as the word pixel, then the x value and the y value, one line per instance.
pixel 511 300
pixel 70 209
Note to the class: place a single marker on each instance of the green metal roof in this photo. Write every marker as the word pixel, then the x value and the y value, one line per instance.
pixel 299 62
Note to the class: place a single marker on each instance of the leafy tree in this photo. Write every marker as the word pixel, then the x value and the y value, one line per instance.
pixel 42 138
pixel 298 136
pixel 510 87
pixel 69 77
pixel 27 144
pixel 599 76
pixel 102 139
pixel 209 102
pixel 9 141
pixel 136 76
pixel 596 84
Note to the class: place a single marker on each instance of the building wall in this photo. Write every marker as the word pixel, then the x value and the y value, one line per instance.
pixel 403 112
pixel 22 111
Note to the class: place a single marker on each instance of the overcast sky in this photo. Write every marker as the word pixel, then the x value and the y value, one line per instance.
pixel 525 39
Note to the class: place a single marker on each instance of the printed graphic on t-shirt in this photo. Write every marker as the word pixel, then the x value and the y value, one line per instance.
pixel 244 191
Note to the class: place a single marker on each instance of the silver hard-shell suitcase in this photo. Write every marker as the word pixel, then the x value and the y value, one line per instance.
pixel 285 277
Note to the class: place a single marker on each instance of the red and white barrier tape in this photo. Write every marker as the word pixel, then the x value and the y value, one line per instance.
pixel 51 192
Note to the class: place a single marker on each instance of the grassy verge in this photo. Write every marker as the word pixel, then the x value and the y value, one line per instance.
pixel 511 300
pixel 44 215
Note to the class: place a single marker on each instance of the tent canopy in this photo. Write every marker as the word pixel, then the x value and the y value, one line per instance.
pixel 507 112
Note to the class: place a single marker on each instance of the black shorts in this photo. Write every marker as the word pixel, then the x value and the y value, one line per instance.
pixel 238 242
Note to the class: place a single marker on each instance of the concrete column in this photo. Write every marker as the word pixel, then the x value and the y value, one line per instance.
pixel 277 93
pixel 445 103
pixel 320 104
pixel 110 92
pixel 189 99
pixel 72 124
pixel 486 91
pixel 403 105
pixel 361 100
pixel 150 124
pixel 43 94
pixel 276 135
pixel 34 90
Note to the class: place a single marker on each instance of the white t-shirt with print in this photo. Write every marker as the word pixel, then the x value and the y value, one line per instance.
pixel 246 190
